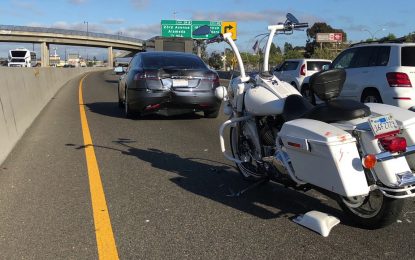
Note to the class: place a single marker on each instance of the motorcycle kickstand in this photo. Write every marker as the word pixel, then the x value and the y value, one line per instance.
pixel 254 185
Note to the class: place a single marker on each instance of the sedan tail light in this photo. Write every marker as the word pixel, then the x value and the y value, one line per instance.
pixel 302 70
pixel 393 144
pixel 398 79
pixel 214 78
pixel 146 75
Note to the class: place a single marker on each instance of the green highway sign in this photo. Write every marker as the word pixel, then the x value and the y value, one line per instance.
pixel 184 29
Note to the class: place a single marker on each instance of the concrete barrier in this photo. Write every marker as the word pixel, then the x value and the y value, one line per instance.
pixel 24 92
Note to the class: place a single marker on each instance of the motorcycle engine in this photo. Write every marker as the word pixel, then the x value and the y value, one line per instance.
pixel 269 128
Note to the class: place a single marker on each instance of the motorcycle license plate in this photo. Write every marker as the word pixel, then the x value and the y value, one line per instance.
pixel 383 126
pixel 180 83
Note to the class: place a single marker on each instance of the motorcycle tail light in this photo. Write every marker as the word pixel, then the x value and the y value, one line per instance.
pixel 369 161
pixel 393 144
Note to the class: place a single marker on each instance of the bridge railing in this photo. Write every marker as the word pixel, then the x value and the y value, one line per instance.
pixel 68 32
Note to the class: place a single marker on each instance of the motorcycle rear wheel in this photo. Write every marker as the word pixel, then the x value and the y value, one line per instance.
pixel 241 150
pixel 373 211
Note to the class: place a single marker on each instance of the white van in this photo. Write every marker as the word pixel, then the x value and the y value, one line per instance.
pixel 298 71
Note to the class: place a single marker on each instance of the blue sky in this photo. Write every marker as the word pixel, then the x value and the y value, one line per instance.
pixel 141 18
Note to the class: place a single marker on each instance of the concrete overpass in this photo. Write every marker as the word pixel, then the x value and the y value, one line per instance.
pixel 47 36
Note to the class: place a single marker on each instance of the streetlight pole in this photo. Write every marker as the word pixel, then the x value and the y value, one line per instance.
pixel 87 32
pixel 87 35
pixel 372 35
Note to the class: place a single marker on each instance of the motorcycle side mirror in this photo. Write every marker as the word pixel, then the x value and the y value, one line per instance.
pixel 202 30
pixel 291 18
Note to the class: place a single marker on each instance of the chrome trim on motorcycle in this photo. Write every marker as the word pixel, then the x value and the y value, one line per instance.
pixel 381 157
pixel 392 193
pixel 405 178
pixel 222 138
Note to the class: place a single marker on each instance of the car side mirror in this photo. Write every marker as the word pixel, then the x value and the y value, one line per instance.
pixel 221 93
pixel 325 67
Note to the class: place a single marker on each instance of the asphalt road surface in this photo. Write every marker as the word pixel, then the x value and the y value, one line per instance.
pixel 169 191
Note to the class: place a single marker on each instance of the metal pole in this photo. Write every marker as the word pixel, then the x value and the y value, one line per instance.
pixel 199 49
pixel 87 29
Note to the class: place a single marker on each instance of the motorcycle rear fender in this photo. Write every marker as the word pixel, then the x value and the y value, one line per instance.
pixel 325 156
pixel 387 171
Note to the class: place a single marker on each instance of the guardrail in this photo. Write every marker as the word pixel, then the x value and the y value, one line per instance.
pixel 24 92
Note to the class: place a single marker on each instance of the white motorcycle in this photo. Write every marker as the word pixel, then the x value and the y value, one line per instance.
pixel 361 153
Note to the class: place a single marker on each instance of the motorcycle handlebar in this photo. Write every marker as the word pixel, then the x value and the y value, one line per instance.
pixel 301 25
pixel 217 38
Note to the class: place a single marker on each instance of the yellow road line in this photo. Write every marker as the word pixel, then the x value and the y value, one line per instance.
pixel 103 230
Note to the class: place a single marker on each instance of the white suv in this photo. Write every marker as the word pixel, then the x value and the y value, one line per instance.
pixel 298 71
pixel 379 72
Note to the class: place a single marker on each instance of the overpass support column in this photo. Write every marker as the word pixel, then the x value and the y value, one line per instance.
pixel 110 57
pixel 44 53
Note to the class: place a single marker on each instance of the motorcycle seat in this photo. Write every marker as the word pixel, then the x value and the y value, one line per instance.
pixel 296 107
pixel 338 110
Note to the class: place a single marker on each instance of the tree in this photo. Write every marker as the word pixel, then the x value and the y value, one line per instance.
pixel 389 37
pixel 287 47
pixel 324 53
pixel 293 54
pixel 215 60
pixel 203 52
pixel 274 50
pixel 275 56
pixel 410 37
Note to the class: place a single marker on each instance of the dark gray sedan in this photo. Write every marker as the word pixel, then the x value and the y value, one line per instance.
pixel 168 83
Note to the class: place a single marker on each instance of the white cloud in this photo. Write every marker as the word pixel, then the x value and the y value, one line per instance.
pixel 113 21
pixel 143 32
pixel 139 4
pixel 270 17
pixel 77 2
pixel 29 6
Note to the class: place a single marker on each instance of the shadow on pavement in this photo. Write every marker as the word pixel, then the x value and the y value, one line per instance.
pixel 112 81
pixel 111 109
pixel 222 183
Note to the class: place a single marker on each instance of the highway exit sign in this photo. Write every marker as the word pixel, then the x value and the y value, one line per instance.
pixel 184 29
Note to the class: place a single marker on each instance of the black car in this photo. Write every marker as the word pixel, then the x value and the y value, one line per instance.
pixel 168 81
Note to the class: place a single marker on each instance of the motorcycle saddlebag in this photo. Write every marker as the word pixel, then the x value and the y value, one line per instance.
pixel 325 156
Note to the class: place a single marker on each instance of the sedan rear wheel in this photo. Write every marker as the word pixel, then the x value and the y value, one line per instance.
pixel 211 113
pixel 120 103
pixel 127 109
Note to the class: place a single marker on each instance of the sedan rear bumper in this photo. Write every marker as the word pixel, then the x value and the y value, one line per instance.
pixel 145 100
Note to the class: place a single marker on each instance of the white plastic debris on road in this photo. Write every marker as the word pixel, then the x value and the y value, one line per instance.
pixel 317 221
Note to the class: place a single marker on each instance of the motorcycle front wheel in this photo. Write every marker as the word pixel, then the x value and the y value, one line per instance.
pixel 243 149
pixel 372 211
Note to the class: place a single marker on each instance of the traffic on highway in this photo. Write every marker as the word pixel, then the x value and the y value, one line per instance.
pixel 167 148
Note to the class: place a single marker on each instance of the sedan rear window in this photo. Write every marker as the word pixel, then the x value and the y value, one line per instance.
pixel 316 65
pixel 408 56
pixel 180 62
